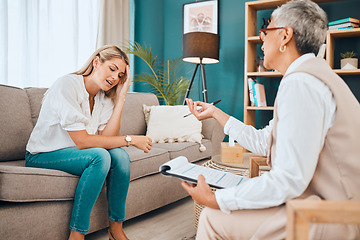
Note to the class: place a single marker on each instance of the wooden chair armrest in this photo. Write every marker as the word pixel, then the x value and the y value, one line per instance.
pixel 302 213
pixel 254 164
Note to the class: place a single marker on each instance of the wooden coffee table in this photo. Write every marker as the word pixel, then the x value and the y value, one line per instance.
pixel 237 168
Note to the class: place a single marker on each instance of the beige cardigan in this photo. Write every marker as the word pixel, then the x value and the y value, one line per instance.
pixel 337 173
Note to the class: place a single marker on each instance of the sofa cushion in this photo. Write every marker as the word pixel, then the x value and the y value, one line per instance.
pixel 167 124
pixel 188 149
pixel 15 123
pixel 144 164
pixel 35 96
pixel 132 118
pixel 27 184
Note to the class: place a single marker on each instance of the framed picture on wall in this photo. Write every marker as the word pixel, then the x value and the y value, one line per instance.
pixel 200 17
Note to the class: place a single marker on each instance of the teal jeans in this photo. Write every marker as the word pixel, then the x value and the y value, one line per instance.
pixel 93 165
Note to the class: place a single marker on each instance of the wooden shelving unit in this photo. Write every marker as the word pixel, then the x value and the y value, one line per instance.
pixel 252 40
pixel 330 40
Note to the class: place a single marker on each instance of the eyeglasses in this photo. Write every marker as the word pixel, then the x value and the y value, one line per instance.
pixel 263 32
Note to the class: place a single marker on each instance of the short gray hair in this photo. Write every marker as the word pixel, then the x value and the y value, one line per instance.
pixel 308 21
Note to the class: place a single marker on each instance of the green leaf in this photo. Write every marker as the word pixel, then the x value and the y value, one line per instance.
pixel 348 54
pixel 167 79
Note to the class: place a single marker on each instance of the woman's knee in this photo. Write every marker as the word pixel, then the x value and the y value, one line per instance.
pixel 119 157
pixel 101 158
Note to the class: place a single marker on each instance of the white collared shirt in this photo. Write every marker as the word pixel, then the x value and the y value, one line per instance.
pixel 66 108
pixel 306 110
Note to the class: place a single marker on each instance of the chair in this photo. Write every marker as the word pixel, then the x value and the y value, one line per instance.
pixel 300 213
pixel 254 164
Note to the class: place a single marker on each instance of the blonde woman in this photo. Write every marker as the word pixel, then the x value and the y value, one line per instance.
pixel 77 132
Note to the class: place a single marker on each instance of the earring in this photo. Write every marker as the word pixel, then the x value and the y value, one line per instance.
pixel 282 48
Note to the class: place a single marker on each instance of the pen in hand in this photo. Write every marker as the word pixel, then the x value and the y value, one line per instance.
pixel 213 103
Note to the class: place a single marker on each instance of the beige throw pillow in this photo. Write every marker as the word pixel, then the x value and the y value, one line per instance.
pixel 167 124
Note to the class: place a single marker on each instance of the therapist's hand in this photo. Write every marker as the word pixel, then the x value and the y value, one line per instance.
pixel 207 110
pixel 201 193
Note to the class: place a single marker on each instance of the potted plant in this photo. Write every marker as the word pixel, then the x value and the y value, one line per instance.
pixel 348 60
pixel 166 79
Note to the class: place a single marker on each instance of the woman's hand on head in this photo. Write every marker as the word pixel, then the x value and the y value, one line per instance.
pixel 142 142
pixel 123 88
pixel 207 110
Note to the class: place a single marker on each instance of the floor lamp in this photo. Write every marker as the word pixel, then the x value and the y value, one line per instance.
pixel 200 48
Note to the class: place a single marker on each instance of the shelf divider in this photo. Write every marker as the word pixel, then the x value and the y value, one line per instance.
pixel 347 71
pixel 264 74
pixel 260 108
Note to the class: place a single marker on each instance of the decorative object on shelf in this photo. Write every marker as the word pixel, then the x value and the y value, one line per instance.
pixel 200 48
pixel 266 22
pixel 348 60
pixel 330 48
pixel 200 17
pixel 166 78
pixel 260 64
pixel 321 53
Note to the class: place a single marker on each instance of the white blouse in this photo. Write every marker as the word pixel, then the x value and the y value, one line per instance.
pixel 65 108
pixel 306 111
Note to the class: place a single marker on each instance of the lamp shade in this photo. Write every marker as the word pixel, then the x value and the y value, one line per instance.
pixel 201 47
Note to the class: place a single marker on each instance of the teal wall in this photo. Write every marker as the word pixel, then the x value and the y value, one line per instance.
pixel 158 23
pixel 149 31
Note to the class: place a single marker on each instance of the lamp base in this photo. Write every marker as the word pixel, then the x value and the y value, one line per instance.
pixel 202 66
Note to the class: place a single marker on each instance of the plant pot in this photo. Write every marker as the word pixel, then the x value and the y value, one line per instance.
pixel 349 63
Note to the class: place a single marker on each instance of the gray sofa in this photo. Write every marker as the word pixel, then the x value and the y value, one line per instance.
pixel 36 203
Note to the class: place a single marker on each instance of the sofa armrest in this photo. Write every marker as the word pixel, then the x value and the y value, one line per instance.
pixel 213 131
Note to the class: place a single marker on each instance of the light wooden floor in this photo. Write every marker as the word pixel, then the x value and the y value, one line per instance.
pixel 172 222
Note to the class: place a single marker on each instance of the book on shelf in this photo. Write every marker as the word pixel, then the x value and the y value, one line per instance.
pixel 344 25
pixel 344 20
pixel 251 92
pixel 256 93
pixel 181 168
pixel 260 95
pixel 345 28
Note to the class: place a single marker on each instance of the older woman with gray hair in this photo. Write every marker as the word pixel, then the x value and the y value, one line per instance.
pixel 311 142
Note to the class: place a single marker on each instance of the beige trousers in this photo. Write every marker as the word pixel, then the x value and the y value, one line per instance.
pixel 263 224
pixel 266 223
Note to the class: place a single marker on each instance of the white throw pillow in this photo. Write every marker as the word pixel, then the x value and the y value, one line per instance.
pixel 167 124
